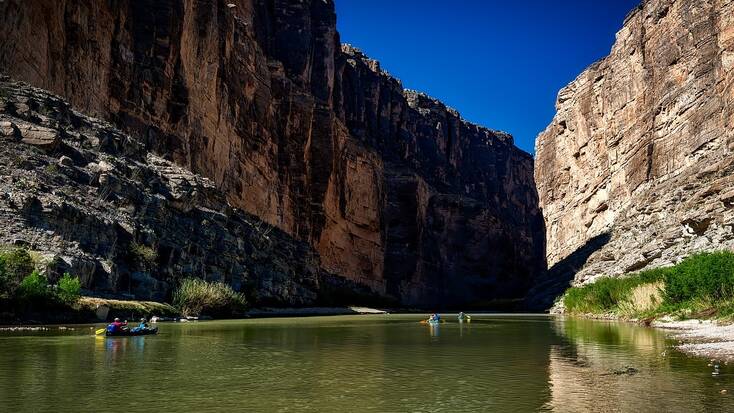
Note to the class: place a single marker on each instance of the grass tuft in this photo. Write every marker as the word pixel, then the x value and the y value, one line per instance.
pixel 195 297
pixel 144 256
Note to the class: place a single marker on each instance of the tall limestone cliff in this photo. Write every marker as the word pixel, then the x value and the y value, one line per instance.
pixel 92 201
pixel 393 190
pixel 636 170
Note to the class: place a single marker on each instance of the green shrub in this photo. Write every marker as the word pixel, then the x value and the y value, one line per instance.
pixel 34 288
pixel 700 284
pixel 607 294
pixel 602 296
pixel 69 289
pixel 654 275
pixel 143 255
pixel 18 264
pixel 708 276
pixel 195 297
pixel 15 265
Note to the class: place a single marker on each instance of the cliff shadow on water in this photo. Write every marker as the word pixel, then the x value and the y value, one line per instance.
pixel 556 279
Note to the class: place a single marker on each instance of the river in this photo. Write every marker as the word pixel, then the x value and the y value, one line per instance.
pixel 381 363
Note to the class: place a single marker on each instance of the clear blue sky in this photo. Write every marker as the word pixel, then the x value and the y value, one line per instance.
pixel 500 63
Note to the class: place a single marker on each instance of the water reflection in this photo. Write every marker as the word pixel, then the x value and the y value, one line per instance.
pixel 362 364
pixel 115 347
pixel 462 327
pixel 323 365
pixel 618 367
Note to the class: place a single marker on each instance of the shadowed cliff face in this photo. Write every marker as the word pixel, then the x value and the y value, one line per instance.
pixel 641 145
pixel 93 202
pixel 392 189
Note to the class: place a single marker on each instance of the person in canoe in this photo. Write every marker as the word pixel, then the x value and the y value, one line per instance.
pixel 464 318
pixel 117 326
pixel 119 329
pixel 142 326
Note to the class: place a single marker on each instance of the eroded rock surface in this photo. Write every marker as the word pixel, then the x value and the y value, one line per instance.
pixel 395 191
pixel 640 150
pixel 128 222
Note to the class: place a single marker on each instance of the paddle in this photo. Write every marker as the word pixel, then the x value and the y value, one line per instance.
pixel 100 331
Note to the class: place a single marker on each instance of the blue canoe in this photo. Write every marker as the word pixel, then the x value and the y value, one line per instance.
pixel 133 332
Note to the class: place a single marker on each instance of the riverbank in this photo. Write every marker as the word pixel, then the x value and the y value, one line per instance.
pixel 88 310
pixel 703 338
pixel 694 299
pixel 311 311
pixel 95 310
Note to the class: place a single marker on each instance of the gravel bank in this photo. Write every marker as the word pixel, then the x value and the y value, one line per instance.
pixel 310 311
pixel 703 338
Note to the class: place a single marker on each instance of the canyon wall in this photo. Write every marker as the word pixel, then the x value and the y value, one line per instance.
pixel 391 189
pixel 92 201
pixel 636 169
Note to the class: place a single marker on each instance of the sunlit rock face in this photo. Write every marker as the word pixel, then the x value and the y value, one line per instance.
pixel 392 189
pixel 640 150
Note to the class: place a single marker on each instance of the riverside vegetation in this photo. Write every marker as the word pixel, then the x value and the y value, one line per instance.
pixel 195 297
pixel 26 292
pixel 23 287
pixel 700 286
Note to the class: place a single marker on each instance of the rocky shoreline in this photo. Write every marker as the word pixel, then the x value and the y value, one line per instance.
pixel 703 338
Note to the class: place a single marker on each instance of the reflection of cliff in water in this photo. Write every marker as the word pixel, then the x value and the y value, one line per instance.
pixel 616 367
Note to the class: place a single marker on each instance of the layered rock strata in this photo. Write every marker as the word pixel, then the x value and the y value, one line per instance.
pixel 392 189
pixel 93 202
pixel 639 154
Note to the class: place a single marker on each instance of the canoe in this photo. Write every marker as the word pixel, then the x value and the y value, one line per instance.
pixel 133 332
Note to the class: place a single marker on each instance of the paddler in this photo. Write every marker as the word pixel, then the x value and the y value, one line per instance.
pixel 142 326
pixel 116 326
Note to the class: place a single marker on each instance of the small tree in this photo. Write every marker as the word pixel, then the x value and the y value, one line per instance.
pixel 18 264
pixel 34 288
pixel 69 289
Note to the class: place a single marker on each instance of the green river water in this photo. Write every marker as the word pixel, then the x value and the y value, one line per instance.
pixel 382 363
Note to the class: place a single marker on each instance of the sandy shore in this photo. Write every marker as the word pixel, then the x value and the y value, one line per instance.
pixel 311 311
pixel 704 338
